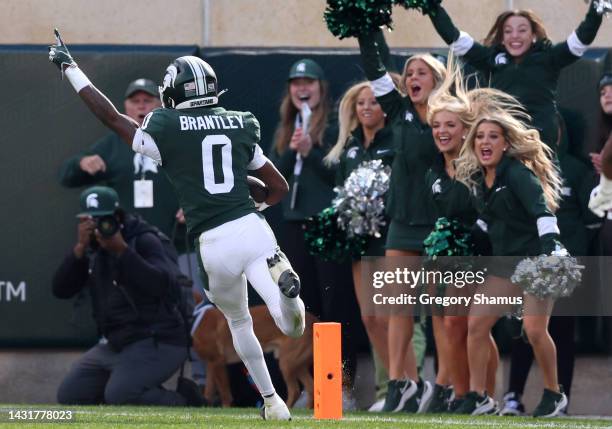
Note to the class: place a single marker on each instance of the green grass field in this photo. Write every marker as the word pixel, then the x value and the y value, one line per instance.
pixel 159 417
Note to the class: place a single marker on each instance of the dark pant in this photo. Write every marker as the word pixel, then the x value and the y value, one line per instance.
pixel 562 332
pixel 132 376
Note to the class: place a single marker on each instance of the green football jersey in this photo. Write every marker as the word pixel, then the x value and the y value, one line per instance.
pixel 206 154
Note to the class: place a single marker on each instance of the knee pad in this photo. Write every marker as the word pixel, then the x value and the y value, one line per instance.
pixel 283 274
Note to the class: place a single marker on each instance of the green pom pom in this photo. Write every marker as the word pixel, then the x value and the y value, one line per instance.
pixel 427 7
pixel 353 18
pixel 448 238
pixel 327 241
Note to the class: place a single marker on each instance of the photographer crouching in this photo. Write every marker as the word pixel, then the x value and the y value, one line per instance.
pixel 143 342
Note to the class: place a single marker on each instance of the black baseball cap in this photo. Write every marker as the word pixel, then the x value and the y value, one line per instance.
pixel 306 68
pixel 98 201
pixel 605 80
pixel 144 85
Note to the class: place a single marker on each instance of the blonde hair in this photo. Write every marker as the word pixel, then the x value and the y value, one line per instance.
pixel 524 144
pixel 453 96
pixel 490 105
pixel 347 120
pixel 435 65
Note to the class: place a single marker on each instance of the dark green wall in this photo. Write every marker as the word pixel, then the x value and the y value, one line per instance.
pixel 43 122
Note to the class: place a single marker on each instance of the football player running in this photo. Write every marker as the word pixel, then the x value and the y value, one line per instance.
pixel 207 151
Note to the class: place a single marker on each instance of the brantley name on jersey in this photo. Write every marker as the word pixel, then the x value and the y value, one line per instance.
pixel 210 122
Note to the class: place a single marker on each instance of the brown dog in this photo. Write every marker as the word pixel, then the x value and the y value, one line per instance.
pixel 212 341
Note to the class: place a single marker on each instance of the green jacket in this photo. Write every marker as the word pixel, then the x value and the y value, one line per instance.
pixel 415 151
pixel 450 198
pixel 534 80
pixel 511 209
pixel 573 215
pixel 315 189
pixel 354 152
pixel 408 198
pixel 123 167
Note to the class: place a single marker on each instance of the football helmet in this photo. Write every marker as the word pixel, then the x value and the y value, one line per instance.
pixel 189 82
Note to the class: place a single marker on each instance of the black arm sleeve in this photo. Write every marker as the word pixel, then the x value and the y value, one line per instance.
pixel 370 56
pixel 444 25
pixel 527 187
pixel 384 52
pixel 588 28
pixel 145 269
pixel 70 277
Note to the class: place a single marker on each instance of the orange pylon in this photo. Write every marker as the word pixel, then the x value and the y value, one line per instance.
pixel 327 371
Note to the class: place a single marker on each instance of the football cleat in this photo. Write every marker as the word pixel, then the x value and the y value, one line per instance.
pixel 283 275
pixel 274 408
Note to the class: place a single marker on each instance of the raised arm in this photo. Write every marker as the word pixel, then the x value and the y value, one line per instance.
pixel 376 72
pixel 588 28
pixel 444 25
pixel 97 102
pixel 460 42
pixel 577 43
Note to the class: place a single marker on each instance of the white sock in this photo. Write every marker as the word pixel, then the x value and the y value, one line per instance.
pixel 273 399
pixel 248 348
pixel 283 310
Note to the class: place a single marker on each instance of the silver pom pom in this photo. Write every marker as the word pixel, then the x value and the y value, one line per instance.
pixel 360 203
pixel 548 276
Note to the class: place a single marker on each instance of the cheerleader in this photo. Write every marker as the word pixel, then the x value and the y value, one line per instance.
pixel 363 137
pixel 518 58
pixel 450 117
pixel 518 187
pixel 411 217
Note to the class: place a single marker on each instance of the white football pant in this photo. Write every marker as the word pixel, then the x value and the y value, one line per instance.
pixel 230 254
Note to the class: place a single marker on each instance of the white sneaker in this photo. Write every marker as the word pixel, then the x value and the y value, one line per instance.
pixel 275 409
pixel 377 406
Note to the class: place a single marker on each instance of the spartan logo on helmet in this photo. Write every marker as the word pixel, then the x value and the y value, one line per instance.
pixel 190 82
pixel 92 201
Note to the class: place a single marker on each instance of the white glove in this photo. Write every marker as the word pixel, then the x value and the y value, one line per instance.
pixel 560 251
pixel 261 206
pixel 601 197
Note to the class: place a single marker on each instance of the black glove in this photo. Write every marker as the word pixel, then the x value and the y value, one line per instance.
pixel 59 55
pixel 552 246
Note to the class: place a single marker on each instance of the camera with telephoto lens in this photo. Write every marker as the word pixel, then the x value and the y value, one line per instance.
pixel 107 225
